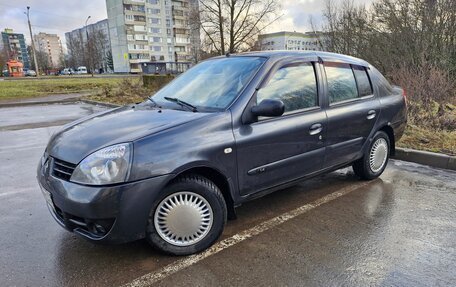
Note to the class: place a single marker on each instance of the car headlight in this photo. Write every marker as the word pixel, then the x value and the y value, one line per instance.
pixel 106 166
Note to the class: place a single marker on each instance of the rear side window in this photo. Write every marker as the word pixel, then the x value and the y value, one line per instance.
pixel 295 86
pixel 341 82
pixel 362 79
pixel 383 85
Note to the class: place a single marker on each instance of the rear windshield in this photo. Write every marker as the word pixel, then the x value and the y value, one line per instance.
pixel 213 84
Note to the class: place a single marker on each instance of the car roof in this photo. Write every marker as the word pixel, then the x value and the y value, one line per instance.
pixel 325 56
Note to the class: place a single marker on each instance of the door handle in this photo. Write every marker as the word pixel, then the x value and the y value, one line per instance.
pixel 371 114
pixel 315 129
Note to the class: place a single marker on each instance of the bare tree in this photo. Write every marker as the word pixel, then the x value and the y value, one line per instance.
pixel 395 32
pixel 413 42
pixel 42 58
pixel 75 48
pixel 233 25
pixel 3 58
pixel 90 52
pixel 96 51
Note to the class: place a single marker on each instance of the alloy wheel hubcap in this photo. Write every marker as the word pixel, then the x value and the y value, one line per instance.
pixel 183 218
pixel 378 155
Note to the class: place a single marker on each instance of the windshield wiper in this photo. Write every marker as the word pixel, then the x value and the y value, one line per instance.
pixel 153 102
pixel 182 103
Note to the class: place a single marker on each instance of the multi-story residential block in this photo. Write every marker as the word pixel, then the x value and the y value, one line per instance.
pixel 144 31
pixel 50 45
pixel 316 41
pixel 14 47
pixel 99 37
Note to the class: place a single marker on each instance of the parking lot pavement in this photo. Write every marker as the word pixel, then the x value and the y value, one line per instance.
pixel 398 230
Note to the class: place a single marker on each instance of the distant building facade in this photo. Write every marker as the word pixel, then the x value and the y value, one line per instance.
pixel 145 31
pixel 313 41
pixel 98 33
pixel 14 47
pixel 51 46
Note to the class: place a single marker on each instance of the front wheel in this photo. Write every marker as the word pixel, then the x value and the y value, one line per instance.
pixel 188 217
pixel 375 159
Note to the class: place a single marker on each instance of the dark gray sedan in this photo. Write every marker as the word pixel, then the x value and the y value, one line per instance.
pixel 173 168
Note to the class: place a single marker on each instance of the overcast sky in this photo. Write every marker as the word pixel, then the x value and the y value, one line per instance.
pixel 60 16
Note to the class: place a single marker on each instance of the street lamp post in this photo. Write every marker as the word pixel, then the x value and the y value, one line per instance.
pixel 33 43
pixel 88 47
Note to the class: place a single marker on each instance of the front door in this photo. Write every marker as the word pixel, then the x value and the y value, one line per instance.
pixel 272 151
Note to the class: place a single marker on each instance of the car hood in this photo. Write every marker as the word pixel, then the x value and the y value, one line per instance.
pixel 78 139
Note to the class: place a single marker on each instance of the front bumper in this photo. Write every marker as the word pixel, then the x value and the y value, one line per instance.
pixel 113 214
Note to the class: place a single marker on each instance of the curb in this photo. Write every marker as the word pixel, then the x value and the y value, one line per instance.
pixel 34 103
pixel 427 158
pixel 91 102
pixel 44 100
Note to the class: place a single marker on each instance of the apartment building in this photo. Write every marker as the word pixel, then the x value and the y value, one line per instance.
pixel 315 41
pixel 77 47
pixel 144 31
pixel 50 45
pixel 14 47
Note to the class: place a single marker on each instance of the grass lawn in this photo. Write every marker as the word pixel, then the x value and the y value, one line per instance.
pixel 429 140
pixel 24 88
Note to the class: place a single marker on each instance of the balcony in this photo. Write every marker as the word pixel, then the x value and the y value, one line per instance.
pixel 181 31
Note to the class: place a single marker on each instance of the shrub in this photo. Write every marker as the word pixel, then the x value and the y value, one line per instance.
pixel 430 94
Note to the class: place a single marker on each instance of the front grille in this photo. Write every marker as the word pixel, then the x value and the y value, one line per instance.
pixel 62 169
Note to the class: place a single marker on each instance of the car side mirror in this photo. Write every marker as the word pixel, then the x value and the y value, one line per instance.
pixel 269 108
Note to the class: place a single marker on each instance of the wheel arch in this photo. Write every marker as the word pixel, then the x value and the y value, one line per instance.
pixel 390 132
pixel 218 178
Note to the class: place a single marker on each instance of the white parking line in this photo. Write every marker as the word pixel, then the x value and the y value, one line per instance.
pixel 150 278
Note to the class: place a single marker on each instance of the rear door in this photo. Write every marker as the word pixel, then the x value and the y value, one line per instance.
pixel 352 111
pixel 273 151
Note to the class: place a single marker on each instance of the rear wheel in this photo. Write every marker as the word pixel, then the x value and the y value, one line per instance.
pixel 188 217
pixel 375 159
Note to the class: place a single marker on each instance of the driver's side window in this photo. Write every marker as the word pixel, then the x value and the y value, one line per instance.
pixel 295 85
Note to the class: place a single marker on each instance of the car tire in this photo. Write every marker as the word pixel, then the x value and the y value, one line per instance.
pixel 375 158
pixel 188 217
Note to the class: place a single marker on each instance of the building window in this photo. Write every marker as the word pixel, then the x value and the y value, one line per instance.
pixel 139 56
pixel 153 11
pixel 154 2
pixel 156 48
pixel 139 18
pixel 155 30
pixel 139 28
pixel 156 39
pixel 182 40
pixel 154 20
pixel 179 13
pixel 141 37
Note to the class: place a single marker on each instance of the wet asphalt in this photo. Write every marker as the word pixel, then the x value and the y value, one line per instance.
pixel 398 230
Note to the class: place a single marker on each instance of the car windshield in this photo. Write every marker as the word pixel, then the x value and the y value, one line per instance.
pixel 212 84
